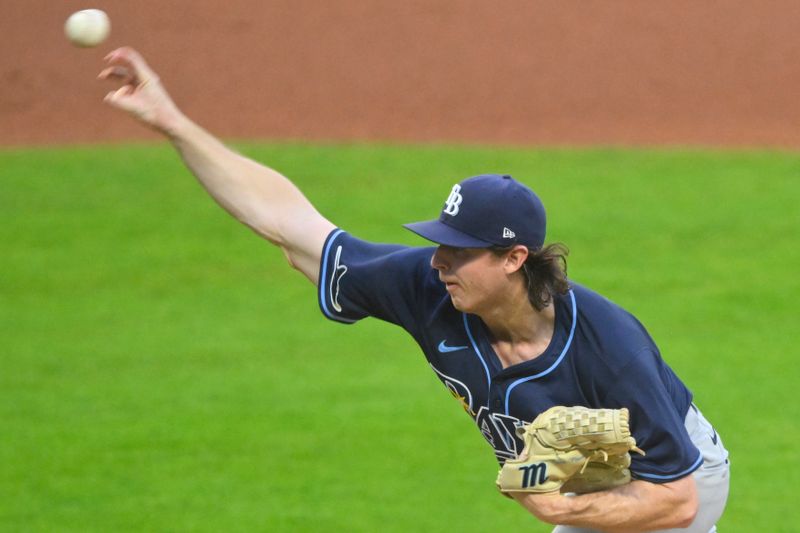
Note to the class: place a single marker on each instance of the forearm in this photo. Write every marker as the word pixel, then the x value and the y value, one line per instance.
pixel 257 196
pixel 254 194
pixel 638 506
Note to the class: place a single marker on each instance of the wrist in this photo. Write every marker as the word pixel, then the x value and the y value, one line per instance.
pixel 175 125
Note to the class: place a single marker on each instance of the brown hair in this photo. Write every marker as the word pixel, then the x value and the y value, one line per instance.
pixel 545 272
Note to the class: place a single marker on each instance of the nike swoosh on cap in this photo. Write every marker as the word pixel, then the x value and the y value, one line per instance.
pixel 444 348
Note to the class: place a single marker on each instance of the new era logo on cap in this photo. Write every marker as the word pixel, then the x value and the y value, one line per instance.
pixel 480 211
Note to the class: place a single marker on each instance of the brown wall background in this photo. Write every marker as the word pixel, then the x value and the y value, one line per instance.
pixel 631 72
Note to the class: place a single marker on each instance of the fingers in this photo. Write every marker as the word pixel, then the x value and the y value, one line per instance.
pixel 113 96
pixel 116 73
pixel 119 74
pixel 118 98
pixel 129 59
pixel 141 93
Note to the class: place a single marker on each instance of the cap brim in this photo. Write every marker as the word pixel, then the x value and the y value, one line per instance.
pixel 440 233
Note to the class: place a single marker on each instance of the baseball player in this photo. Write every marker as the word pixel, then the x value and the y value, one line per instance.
pixel 501 325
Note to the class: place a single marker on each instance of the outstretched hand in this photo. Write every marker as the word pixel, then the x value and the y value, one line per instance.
pixel 142 94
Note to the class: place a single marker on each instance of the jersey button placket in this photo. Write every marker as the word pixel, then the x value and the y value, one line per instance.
pixel 496 397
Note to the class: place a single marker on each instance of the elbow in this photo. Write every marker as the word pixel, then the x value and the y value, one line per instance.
pixel 687 507
pixel 290 258
pixel 688 512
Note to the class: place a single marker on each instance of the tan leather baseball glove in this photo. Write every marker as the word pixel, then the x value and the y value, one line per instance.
pixel 571 449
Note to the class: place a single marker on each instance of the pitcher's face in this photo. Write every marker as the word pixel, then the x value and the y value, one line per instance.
pixel 474 277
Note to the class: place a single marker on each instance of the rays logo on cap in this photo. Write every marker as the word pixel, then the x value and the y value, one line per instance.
pixel 453 201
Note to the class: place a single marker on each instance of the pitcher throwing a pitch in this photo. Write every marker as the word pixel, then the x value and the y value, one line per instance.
pixel 592 429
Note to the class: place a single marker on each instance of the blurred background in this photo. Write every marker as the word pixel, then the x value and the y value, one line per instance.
pixel 521 72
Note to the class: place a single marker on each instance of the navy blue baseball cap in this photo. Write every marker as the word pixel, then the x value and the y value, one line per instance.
pixel 487 210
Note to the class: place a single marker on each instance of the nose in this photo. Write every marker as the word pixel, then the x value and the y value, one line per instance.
pixel 442 258
pixel 439 259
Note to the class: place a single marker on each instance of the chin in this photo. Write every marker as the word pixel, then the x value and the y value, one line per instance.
pixel 459 305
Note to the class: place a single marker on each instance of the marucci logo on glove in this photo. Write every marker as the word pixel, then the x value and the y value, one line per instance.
pixel 529 472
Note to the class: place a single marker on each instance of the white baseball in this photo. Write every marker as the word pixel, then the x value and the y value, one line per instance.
pixel 88 27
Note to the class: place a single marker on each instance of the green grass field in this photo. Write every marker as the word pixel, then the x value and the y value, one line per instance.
pixel 162 369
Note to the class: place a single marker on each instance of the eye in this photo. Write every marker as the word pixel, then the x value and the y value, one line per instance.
pixel 458 252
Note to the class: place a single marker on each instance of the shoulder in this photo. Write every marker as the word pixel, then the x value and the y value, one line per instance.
pixel 345 246
pixel 360 278
pixel 597 306
pixel 610 334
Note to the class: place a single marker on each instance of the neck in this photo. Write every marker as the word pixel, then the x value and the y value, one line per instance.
pixel 517 322
pixel 519 331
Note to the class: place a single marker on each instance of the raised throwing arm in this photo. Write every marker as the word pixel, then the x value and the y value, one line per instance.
pixel 256 195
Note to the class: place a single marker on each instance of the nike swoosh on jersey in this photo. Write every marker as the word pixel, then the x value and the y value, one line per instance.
pixel 714 437
pixel 444 348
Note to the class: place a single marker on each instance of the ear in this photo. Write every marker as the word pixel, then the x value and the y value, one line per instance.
pixel 515 258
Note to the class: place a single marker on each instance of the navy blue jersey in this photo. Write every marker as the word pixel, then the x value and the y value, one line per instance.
pixel 600 356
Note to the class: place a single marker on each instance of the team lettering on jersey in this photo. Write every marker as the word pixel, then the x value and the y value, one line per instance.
pixel 498 429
